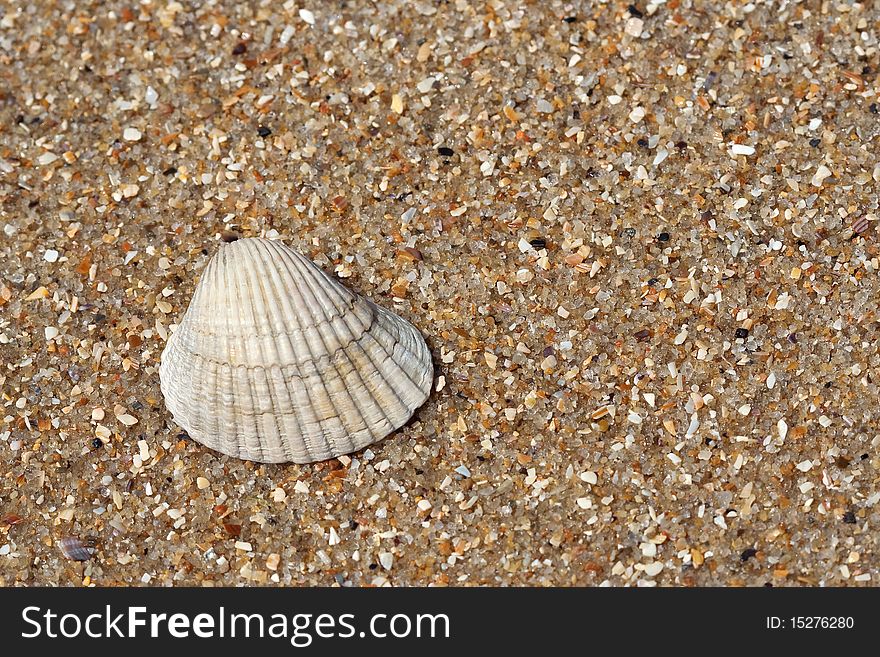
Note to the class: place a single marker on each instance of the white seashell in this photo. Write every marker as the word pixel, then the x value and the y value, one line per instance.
pixel 276 361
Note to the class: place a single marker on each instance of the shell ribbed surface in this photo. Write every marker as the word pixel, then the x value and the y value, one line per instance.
pixel 276 361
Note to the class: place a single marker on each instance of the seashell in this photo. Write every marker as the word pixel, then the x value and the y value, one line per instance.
pixel 76 549
pixel 10 520
pixel 276 361
pixel 860 225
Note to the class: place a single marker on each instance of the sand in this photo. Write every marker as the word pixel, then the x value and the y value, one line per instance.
pixel 641 242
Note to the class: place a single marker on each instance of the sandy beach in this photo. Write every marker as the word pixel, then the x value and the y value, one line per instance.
pixel 639 239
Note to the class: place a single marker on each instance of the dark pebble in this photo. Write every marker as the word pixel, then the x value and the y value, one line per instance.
pixel 170 171
pixel 663 237
pixel 873 108
pixel 741 333
pixel 815 141
pixel 747 554
pixel 634 11
pixel 97 444
pixel 570 19
pixel 263 131
pixel 849 518
pixel 538 243
pixel 630 232
pixel 642 142
pixel 445 151
pixel 240 48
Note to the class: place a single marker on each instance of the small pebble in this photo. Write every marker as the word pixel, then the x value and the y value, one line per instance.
pixel 538 243
pixel 127 420
pixel 653 569
pixel 637 114
pixel 742 149
pixel 822 172
pixel 589 477
pixel 634 26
